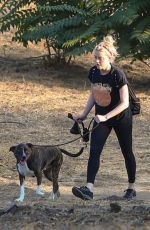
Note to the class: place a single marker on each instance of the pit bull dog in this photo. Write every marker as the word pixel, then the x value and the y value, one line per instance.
pixel 38 159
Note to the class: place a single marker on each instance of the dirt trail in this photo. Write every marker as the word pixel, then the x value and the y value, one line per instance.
pixel 39 99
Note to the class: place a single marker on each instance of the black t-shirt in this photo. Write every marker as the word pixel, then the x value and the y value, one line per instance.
pixel 105 90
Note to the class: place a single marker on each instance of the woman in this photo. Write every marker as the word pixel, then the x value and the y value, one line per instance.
pixel 110 97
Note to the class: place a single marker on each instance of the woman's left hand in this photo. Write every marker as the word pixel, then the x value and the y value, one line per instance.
pixel 100 118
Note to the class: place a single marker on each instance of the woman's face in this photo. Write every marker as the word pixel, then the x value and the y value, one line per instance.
pixel 102 60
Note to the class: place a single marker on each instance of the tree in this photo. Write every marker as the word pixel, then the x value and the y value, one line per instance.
pixel 74 27
pixel 54 21
pixel 128 21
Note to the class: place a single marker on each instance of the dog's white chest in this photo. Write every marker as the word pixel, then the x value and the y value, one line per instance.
pixel 24 170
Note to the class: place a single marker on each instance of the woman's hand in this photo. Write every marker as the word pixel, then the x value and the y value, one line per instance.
pixel 100 118
pixel 80 117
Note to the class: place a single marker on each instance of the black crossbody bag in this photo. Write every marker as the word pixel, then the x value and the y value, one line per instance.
pixel 134 101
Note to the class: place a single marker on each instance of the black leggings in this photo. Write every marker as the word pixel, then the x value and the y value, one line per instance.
pixel 99 135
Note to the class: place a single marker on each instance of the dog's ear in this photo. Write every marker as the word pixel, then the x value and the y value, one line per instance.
pixel 29 145
pixel 12 148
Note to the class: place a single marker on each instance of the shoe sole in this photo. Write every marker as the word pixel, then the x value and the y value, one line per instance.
pixel 79 194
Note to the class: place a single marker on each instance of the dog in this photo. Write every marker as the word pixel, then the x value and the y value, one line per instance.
pixel 38 159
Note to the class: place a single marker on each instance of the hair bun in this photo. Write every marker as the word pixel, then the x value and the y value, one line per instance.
pixel 108 40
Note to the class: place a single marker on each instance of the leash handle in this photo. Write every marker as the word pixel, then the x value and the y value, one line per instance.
pixel 75 129
pixel 71 141
pixel 70 116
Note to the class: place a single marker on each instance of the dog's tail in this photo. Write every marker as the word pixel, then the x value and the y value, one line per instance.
pixel 71 154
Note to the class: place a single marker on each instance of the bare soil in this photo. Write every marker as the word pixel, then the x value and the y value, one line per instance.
pixel 35 100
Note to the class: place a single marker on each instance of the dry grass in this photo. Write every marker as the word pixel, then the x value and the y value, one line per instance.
pixel 39 98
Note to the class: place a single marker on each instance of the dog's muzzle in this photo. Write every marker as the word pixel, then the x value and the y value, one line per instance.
pixel 23 160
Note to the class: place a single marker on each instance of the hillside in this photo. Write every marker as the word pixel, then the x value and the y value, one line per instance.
pixel 35 100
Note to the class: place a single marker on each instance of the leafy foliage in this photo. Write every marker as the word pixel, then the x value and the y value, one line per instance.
pixel 74 27
pixel 131 23
pixel 55 21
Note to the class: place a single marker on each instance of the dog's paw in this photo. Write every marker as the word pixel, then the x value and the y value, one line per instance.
pixel 39 192
pixel 54 196
pixel 20 199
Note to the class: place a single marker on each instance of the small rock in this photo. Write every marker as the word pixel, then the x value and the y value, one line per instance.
pixel 71 210
pixel 115 207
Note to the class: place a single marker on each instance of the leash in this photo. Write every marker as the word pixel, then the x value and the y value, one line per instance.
pixel 81 135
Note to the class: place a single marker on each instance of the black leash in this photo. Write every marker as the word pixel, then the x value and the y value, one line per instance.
pixel 85 133
pixel 60 144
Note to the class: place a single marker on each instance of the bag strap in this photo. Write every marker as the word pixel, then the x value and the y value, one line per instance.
pixel 131 91
pixel 116 80
pixel 115 74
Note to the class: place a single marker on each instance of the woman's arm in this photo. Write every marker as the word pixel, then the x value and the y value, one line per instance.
pixel 124 103
pixel 89 105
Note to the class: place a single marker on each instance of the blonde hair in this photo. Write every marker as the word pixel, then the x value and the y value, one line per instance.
pixel 108 46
